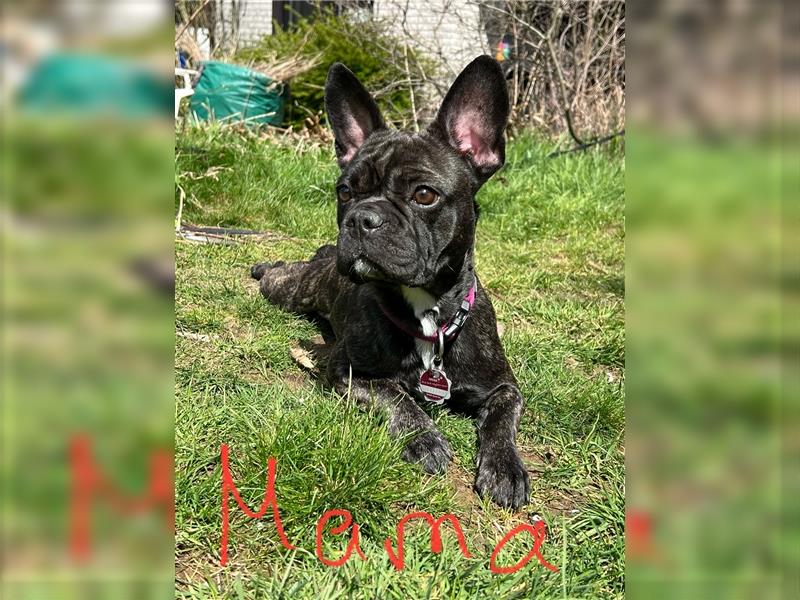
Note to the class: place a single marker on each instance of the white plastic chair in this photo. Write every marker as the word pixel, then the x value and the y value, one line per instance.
pixel 185 91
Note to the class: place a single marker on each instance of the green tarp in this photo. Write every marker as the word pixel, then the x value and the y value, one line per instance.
pixel 236 93
pixel 92 85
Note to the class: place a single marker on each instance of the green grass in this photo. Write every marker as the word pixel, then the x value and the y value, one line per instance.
pixel 550 253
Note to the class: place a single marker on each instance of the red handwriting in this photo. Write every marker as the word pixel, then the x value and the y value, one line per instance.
pixel 88 482
pixel 348 519
pixel 639 536
pixel 228 487
pixel 537 530
pixel 396 557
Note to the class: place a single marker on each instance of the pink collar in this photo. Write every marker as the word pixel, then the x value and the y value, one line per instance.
pixel 450 329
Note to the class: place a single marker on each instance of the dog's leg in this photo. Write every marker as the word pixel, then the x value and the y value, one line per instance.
pixel 428 446
pixel 501 475
pixel 300 287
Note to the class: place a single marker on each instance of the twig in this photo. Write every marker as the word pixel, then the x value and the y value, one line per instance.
pixel 191 18
pixel 571 127
pixel 179 216
pixel 206 238
pixel 586 145
pixel 198 337
pixel 411 89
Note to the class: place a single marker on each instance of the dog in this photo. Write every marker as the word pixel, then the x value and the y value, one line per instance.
pixel 411 322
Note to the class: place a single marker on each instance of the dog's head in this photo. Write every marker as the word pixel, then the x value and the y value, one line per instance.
pixel 406 209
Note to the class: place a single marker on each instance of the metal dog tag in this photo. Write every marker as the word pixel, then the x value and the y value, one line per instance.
pixel 434 385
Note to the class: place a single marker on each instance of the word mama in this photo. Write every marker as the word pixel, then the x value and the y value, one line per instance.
pixel 394 552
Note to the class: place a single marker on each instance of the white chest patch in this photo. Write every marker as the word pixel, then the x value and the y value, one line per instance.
pixel 424 307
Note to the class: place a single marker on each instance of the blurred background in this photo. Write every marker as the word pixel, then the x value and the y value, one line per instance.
pixel 87 312
pixel 93 94
pixel 711 276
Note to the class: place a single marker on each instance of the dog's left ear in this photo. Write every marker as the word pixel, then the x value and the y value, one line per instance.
pixel 473 116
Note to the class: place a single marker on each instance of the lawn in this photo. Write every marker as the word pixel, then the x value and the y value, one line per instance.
pixel 550 251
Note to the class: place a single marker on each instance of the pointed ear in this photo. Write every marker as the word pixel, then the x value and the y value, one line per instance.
pixel 352 112
pixel 473 116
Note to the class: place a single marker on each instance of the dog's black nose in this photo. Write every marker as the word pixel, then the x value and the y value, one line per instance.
pixel 365 219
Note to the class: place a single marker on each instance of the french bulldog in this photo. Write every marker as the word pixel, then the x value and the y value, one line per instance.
pixel 411 322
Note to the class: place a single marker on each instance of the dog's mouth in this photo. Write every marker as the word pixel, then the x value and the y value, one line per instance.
pixel 363 270
pixel 369 264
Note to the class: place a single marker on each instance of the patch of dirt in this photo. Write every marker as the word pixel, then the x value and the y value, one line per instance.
pixel 233 328
pixel 310 355
pixel 559 503
pixel 610 374
pixel 256 376
pixel 462 480
pixel 295 381
pixel 193 567
pixel 534 462
pixel 550 500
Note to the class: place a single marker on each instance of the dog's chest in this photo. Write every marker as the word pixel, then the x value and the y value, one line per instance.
pixel 425 310
pixel 380 352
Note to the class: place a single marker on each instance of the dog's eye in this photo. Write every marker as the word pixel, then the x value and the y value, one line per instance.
pixel 425 195
pixel 343 192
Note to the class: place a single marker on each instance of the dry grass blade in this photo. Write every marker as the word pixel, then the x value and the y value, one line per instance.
pixel 285 68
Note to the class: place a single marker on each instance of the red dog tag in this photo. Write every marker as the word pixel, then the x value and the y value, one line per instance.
pixel 434 385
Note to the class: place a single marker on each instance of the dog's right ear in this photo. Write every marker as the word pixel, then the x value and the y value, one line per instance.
pixel 352 112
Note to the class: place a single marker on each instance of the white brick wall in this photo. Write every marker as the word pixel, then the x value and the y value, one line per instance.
pixel 254 19
pixel 447 29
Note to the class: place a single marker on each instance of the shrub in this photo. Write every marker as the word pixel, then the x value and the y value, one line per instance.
pixel 366 47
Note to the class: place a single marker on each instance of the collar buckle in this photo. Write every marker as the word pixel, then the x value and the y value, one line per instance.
pixel 438 346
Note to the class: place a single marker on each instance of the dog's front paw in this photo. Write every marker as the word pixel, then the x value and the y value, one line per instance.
pixel 431 450
pixel 502 477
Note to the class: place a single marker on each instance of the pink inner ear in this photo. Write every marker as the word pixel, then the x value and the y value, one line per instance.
pixel 355 137
pixel 473 141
